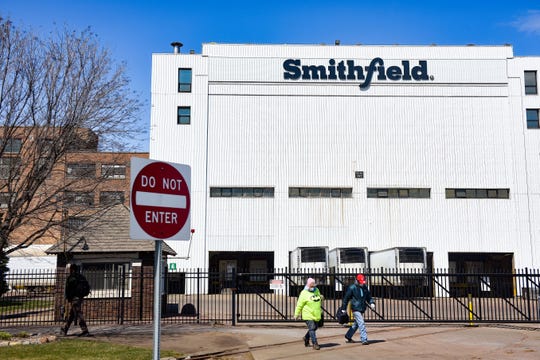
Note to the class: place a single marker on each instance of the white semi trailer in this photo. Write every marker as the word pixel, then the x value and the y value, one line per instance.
pixel 344 263
pixel 309 262
pixel 401 266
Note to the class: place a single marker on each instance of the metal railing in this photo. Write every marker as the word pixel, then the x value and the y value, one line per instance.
pixel 201 296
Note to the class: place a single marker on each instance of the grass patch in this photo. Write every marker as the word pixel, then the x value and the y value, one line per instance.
pixel 80 350
pixel 13 305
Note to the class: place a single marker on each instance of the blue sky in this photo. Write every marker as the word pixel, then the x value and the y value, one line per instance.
pixel 134 29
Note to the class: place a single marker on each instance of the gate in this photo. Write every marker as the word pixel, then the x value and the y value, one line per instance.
pixel 401 296
pixel 199 296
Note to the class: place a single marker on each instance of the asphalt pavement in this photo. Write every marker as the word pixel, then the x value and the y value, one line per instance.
pixel 279 341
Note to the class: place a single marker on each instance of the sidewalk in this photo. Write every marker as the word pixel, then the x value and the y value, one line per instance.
pixel 279 341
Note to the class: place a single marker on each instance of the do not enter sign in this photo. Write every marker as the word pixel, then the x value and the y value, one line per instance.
pixel 160 200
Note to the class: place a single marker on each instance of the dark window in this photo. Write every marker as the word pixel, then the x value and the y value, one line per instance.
pixel 313 255
pixel 75 223
pixel 111 197
pixel 411 255
pixel 477 193
pixel 317 192
pixel 184 80
pixel 81 170
pixel 112 171
pixel 79 198
pixel 246 192
pixel 226 192
pixel 352 256
pixel 184 115
pixel 402 193
pixel 532 119
pixel 530 83
pixel 10 167
pixel 12 146
pixel 5 198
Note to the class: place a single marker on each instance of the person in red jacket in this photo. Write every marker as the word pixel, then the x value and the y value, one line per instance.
pixel 359 296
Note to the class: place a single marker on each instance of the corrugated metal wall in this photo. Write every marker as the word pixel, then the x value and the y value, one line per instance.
pixel 463 129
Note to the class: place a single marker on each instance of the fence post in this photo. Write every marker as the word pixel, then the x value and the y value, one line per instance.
pixel 199 294
pixel 123 290
pixel 233 297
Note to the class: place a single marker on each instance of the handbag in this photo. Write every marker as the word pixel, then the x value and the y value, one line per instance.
pixel 342 316
pixel 321 322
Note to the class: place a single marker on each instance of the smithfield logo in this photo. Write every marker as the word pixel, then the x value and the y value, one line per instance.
pixel 348 70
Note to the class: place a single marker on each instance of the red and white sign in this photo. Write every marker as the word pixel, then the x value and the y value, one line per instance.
pixel 160 200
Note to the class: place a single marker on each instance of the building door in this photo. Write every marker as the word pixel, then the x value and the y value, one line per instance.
pixel 227 269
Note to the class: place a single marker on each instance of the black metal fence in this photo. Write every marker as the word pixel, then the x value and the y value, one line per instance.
pixel 201 296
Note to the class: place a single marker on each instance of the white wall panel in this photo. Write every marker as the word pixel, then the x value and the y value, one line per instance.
pixel 463 129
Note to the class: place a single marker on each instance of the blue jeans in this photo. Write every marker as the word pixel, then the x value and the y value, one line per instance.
pixel 312 328
pixel 358 324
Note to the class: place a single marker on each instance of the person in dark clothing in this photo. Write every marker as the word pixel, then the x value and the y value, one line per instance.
pixel 75 300
pixel 359 296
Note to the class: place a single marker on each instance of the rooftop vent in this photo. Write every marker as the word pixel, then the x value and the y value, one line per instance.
pixel 176 46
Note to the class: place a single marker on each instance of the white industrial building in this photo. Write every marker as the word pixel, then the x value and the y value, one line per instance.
pixel 337 146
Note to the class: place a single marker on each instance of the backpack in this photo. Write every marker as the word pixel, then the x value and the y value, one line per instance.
pixel 342 316
pixel 83 287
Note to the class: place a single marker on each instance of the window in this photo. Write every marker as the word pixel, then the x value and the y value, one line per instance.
pixel 401 193
pixel 111 197
pixel 4 200
pixel 530 83
pixel 12 145
pixel 532 119
pixel 10 167
pixel 246 192
pixel 317 192
pixel 79 198
pixel 75 223
pixel 111 171
pixel 184 80
pixel 45 144
pixel 81 170
pixel 477 193
pixel 184 115
pixel 106 279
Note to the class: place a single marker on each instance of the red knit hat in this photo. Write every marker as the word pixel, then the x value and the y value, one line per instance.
pixel 361 279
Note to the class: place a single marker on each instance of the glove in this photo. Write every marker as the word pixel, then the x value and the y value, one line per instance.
pixel 372 306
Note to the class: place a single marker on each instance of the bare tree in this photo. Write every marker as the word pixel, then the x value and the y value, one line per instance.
pixel 58 95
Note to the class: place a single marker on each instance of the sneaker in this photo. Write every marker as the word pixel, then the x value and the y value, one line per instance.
pixel 365 342
pixel 84 333
pixel 63 330
pixel 306 342
pixel 348 340
pixel 316 346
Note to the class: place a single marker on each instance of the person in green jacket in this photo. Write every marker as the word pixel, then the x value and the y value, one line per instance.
pixel 309 309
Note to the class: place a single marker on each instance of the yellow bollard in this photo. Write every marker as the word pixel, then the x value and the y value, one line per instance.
pixel 469 296
pixel 349 311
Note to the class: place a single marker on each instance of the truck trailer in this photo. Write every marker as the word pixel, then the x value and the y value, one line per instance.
pixel 399 270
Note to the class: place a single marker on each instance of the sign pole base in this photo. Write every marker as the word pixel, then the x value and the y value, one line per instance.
pixel 157 298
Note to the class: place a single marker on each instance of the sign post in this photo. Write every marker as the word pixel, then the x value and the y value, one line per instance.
pixel 160 210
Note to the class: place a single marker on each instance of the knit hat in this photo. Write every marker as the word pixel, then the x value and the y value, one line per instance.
pixel 310 281
pixel 361 279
